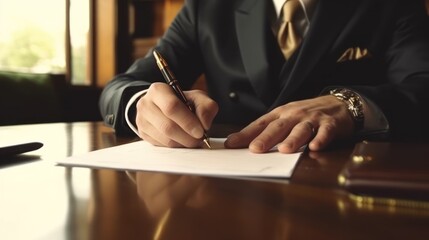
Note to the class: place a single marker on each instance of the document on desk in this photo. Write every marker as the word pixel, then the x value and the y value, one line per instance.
pixel 217 161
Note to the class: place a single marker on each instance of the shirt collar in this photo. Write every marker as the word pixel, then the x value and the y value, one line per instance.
pixel 309 6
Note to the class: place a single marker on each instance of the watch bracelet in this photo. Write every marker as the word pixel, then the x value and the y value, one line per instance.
pixel 354 105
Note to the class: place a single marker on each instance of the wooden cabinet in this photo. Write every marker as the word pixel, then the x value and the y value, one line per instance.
pixel 149 20
pixel 171 8
pixel 126 30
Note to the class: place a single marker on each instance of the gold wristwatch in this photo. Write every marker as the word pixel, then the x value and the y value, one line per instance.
pixel 354 105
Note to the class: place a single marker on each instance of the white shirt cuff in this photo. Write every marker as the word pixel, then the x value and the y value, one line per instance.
pixel 132 100
pixel 375 121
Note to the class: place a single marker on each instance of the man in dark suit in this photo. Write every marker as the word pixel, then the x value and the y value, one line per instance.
pixel 361 68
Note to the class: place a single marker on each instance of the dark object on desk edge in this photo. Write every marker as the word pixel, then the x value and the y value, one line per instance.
pixel 388 171
pixel 16 149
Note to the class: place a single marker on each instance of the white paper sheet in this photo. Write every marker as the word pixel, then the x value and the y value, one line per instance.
pixel 217 161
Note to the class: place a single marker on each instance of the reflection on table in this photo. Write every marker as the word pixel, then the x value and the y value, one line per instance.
pixel 42 201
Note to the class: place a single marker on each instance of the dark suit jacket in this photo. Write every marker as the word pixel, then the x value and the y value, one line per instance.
pixel 232 43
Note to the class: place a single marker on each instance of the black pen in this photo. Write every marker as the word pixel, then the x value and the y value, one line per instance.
pixel 174 84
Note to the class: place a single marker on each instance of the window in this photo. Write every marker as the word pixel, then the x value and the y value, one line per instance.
pixel 46 36
pixel 80 42
pixel 32 35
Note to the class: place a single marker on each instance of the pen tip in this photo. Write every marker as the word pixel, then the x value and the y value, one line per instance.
pixel 206 141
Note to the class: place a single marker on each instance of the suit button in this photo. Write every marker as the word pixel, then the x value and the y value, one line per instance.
pixel 110 119
pixel 233 96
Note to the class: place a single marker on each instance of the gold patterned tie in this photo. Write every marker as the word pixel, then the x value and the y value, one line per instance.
pixel 288 38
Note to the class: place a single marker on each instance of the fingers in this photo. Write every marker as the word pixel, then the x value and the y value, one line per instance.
pixel 164 120
pixel 248 134
pixel 275 132
pixel 324 136
pixel 300 135
pixel 179 116
pixel 288 136
pixel 154 126
pixel 316 122
pixel 205 108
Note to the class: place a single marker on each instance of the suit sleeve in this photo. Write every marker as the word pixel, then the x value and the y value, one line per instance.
pixel 178 46
pixel 404 99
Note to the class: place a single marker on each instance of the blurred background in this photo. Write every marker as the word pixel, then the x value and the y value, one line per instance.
pixel 56 55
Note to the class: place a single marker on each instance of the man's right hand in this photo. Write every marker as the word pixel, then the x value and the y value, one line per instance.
pixel 164 120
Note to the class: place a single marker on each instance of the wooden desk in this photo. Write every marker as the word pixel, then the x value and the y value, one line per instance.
pixel 39 200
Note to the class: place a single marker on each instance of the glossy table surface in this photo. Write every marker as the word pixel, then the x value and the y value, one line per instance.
pixel 39 200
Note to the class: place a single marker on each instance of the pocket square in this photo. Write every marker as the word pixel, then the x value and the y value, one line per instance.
pixel 354 53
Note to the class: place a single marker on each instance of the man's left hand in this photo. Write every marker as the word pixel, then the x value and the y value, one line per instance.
pixel 316 122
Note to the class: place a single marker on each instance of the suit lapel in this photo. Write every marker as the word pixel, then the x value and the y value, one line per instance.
pixel 251 26
pixel 329 20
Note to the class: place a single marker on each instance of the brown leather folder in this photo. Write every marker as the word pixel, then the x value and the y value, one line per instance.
pixel 388 170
